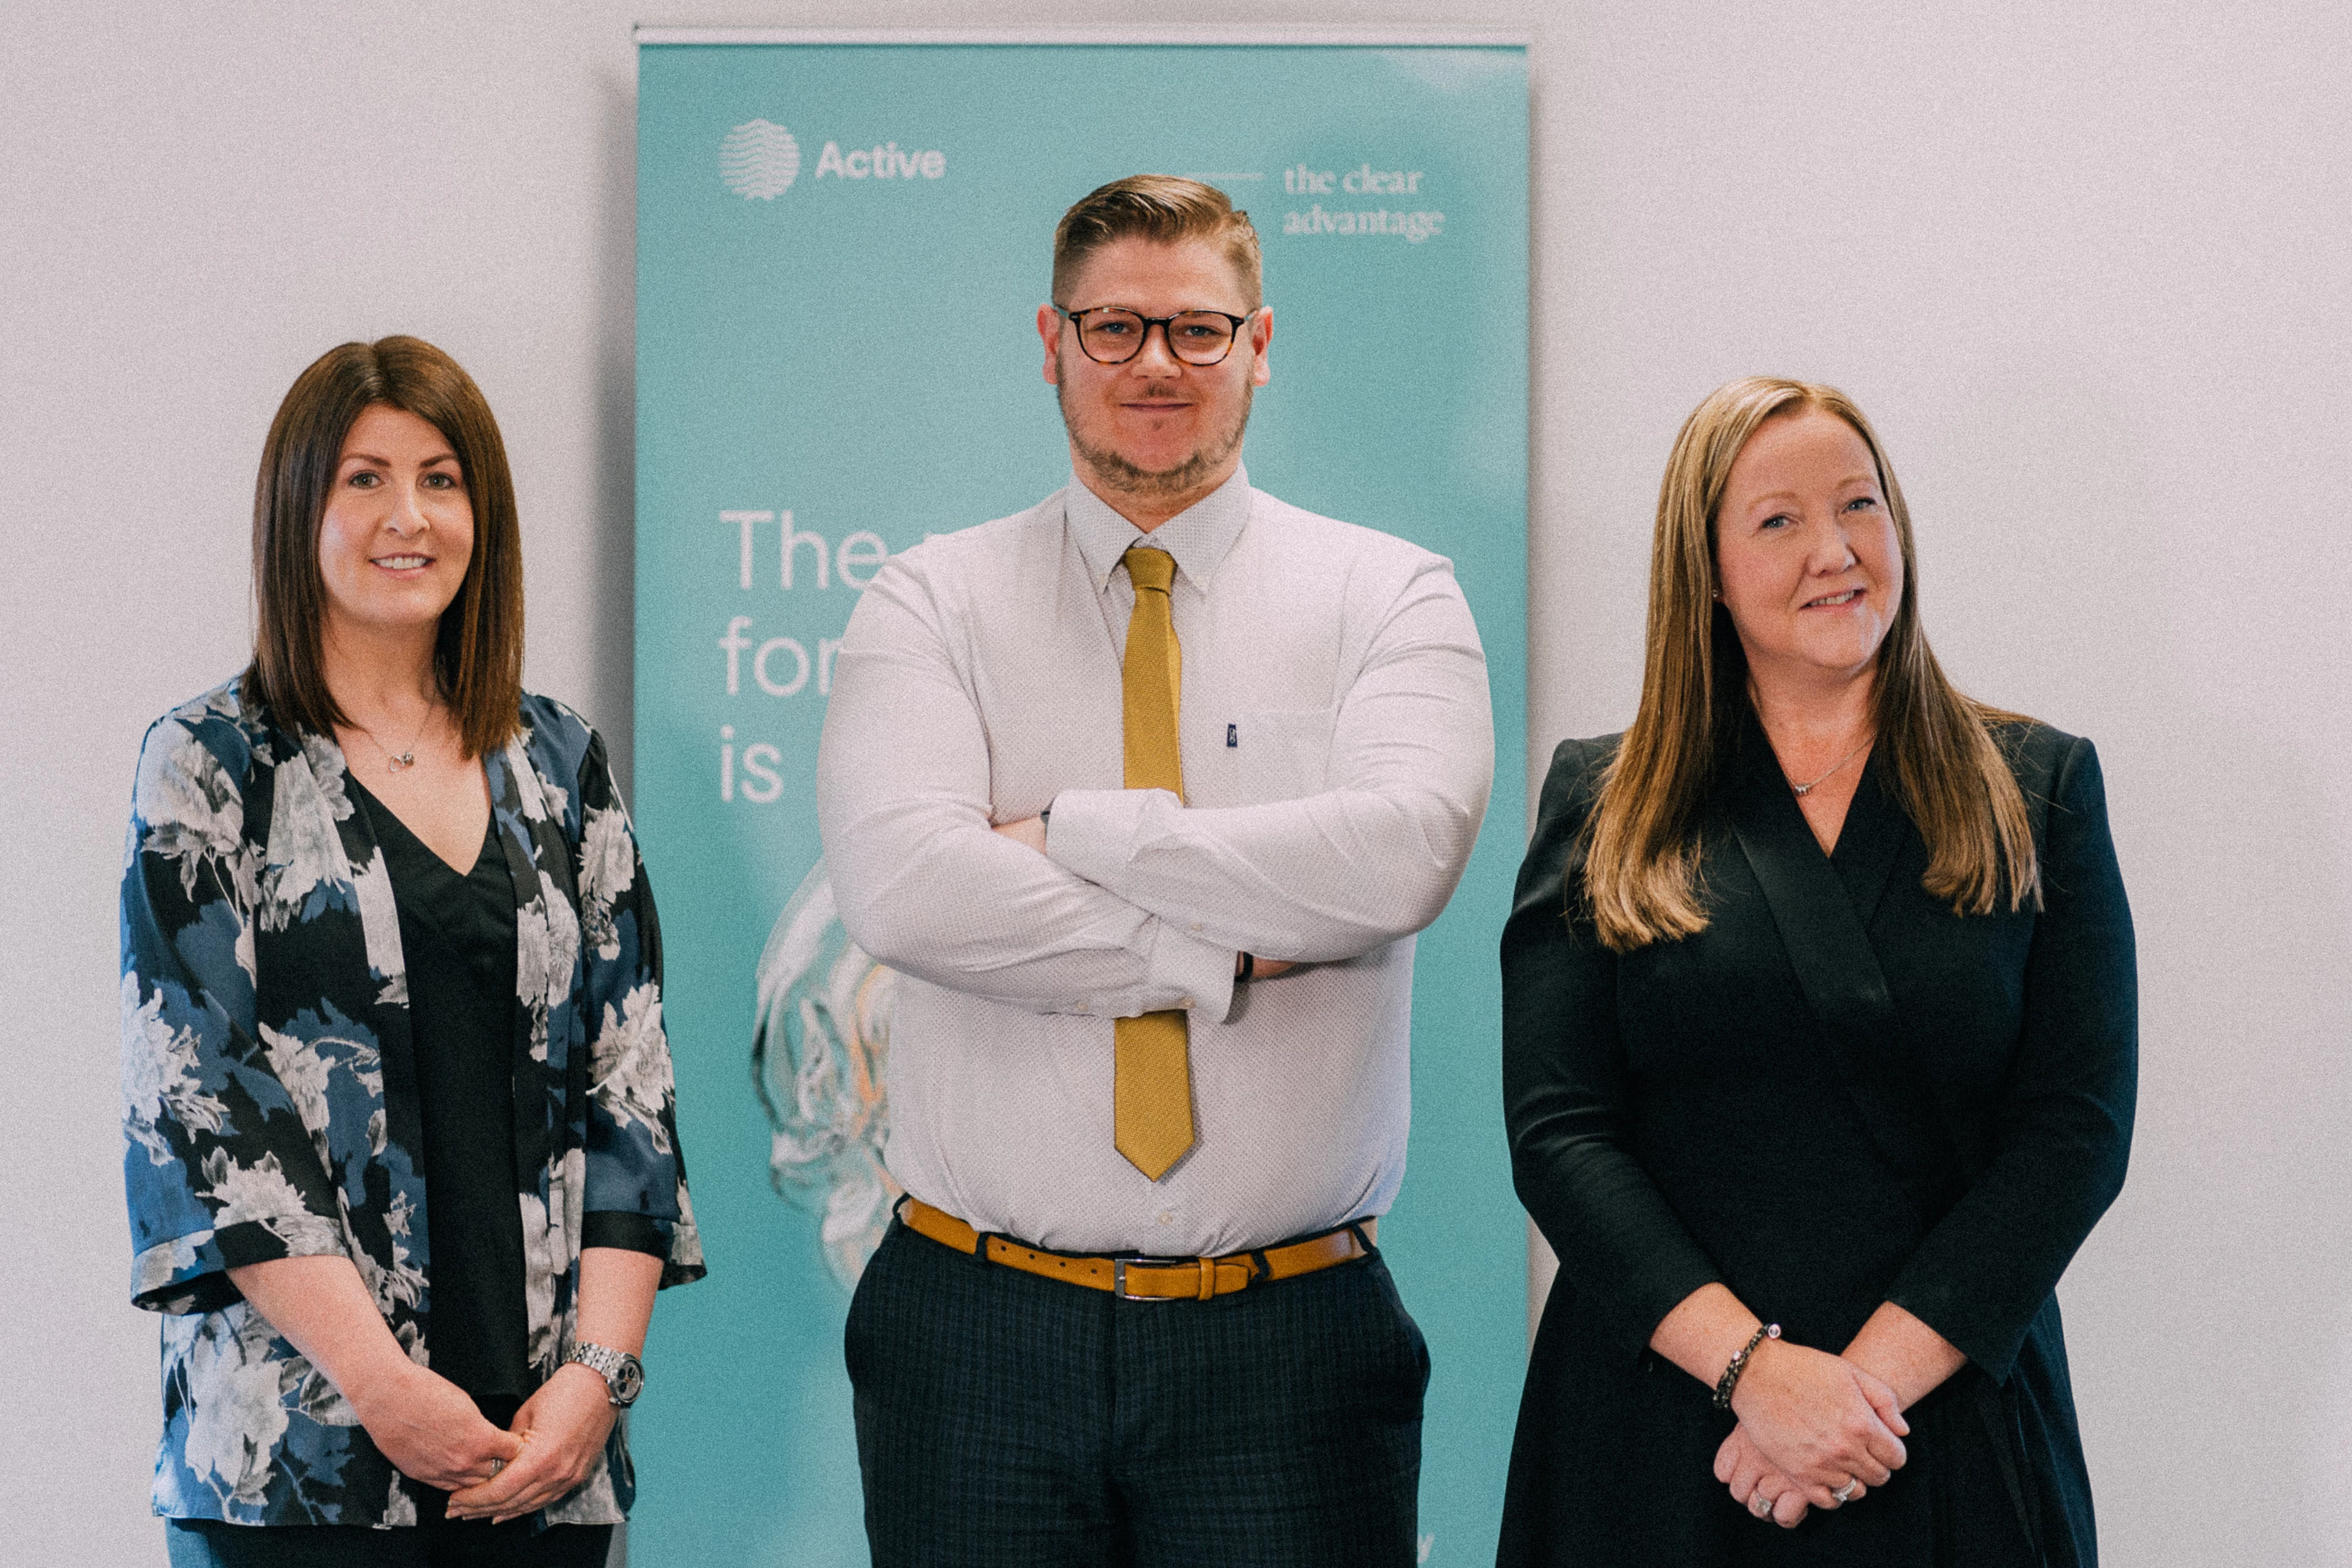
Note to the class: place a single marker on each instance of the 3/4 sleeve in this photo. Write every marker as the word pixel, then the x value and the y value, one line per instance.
pixel 221 1165
pixel 635 1196
pixel 1621 1249
pixel 2062 1133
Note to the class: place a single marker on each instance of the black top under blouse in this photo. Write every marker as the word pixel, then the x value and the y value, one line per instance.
pixel 457 941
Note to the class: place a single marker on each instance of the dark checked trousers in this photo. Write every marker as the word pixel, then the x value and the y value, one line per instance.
pixel 1007 1421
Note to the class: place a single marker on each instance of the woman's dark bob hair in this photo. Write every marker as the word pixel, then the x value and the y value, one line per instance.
pixel 477 654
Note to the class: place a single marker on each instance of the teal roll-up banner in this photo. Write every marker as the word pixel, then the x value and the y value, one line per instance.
pixel 842 248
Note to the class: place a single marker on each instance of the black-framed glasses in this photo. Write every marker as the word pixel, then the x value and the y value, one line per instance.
pixel 1110 335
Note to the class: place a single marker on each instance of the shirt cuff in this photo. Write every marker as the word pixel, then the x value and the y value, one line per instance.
pixel 1202 971
pixel 1090 834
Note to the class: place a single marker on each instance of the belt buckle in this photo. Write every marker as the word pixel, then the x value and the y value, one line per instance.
pixel 1118 1273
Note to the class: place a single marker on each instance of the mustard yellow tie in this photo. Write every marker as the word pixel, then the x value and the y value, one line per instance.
pixel 1151 1081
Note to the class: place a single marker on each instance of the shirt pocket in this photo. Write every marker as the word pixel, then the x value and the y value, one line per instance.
pixel 1284 752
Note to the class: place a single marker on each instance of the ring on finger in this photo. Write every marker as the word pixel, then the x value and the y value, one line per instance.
pixel 496 1466
pixel 1759 1505
pixel 1845 1493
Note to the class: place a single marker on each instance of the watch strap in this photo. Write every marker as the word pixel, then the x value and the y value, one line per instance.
pixel 624 1375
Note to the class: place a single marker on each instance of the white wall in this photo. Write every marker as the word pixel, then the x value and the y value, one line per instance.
pixel 2087 271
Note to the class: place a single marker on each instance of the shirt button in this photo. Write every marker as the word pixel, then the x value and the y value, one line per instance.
pixel 1166 1219
pixel 1196 925
pixel 1188 1002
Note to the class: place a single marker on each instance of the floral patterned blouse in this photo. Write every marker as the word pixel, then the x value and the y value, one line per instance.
pixel 271 1106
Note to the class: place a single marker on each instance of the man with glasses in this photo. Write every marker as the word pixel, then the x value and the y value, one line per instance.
pixel 1144 792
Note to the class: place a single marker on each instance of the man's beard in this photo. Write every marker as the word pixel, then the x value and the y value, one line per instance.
pixel 1128 478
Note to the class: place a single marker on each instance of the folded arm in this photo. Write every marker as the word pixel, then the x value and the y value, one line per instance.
pixel 1371 857
pixel 925 886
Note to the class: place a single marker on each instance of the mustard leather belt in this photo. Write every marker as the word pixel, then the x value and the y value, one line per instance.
pixel 1135 1277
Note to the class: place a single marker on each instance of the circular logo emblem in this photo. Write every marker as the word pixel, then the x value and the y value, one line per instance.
pixel 759 161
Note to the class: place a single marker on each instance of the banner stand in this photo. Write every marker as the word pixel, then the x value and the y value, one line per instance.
pixel 843 240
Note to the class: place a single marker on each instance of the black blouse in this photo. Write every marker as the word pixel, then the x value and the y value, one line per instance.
pixel 458 936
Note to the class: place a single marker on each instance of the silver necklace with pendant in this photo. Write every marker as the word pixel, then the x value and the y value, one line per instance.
pixel 398 761
pixel 1802 790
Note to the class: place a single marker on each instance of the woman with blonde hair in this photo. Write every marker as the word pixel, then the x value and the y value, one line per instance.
pixel 401 1151
pixel 1819 1051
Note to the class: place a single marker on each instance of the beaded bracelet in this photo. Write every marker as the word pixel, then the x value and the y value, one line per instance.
pixel 1738 1363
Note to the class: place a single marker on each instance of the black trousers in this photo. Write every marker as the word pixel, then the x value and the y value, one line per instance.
pixel 1003 1419
pixel 470 1544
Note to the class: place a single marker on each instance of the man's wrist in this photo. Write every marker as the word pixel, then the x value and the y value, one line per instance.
pixel 1197 972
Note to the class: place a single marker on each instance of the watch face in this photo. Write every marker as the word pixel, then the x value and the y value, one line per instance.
pixel 629 1381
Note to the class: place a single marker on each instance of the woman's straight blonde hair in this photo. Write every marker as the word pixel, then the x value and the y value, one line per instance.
pixel 1935 746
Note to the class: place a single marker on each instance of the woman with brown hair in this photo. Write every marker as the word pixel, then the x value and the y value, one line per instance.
pixel 402 1153
pixel 1819 1044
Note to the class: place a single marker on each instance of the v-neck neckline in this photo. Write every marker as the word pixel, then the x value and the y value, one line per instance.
pixel 1868 841
pixel 387 820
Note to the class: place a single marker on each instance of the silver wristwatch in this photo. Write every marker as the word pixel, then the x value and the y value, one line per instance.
pixel 624 1375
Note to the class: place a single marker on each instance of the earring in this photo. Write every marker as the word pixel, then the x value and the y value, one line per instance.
pixel 1719 595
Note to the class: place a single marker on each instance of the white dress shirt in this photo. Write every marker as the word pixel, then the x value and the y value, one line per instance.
pixel 1337 750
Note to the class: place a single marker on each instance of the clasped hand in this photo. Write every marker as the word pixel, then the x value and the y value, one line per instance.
pixel 1811 1425
pixel 561 1429
pixel 429 1428
pixel 431 1432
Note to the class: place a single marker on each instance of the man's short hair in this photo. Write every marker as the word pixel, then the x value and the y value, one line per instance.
pixel 1167 208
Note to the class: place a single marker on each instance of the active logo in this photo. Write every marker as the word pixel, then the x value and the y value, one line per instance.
pixel 759 161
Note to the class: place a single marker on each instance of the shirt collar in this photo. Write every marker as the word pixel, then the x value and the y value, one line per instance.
pixel 1198 537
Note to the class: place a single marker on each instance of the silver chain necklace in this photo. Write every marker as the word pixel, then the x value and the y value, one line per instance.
pixel 396 761
pixel 1806 789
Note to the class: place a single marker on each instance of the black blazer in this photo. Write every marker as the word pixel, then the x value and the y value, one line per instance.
pixel 1839 1093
